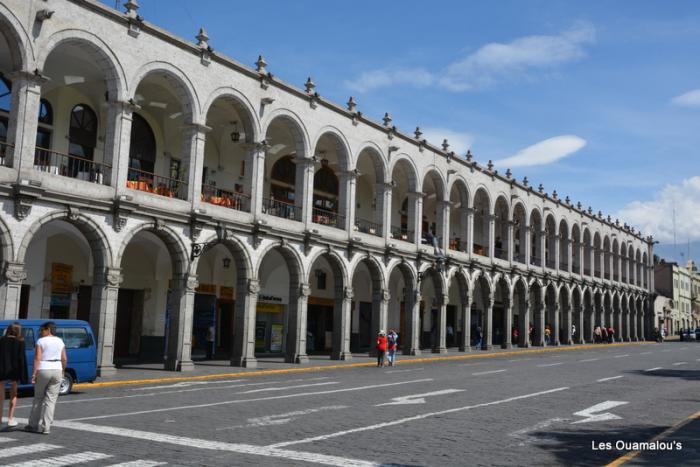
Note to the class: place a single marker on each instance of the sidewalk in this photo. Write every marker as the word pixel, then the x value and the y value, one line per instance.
pixel 215 369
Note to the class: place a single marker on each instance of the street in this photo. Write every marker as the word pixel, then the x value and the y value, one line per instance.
pixel 549 408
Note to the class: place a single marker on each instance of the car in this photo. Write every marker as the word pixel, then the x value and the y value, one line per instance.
pixel 81 349
pixel 697 334
pixel 688 335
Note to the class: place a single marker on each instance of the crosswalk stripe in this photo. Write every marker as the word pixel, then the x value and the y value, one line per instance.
pixel 70 459
pixel 31 449
pixel 138 463
pixel 6 440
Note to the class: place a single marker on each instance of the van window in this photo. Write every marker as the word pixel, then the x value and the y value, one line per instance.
pixel 75 338
pixel 27 333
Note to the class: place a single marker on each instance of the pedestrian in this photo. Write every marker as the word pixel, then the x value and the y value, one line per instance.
pixel 573 332
pixel 392 345
pixel 611 334
pixel 13 368
pixel 211 337
pixel 450 335
pixel 547 334
pixel 514 335
pixel 49 364
pixel 597 333
pixel 479 337
pixel 381 347
pixel 603 334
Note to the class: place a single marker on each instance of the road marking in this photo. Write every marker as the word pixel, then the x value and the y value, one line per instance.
pixel 414 418
pixel 265 451
pixel 523 433
pixel 6 440
pixel 404 371
pixel 225 381
pixel 589 360
pixel 29 449
pixel 284 388
pixel 70 459
pixel 667 350
pixel 487 372
pixel 609 379
pixel 259 399
pixel 622 356
pixel 280 419
pixel 590 414
pixel 654 369
pixel 679 363
pixel 138 463
pixel 644 353
pixel 419 398
pixel 519 359
pixel 473 364
pixel 550 364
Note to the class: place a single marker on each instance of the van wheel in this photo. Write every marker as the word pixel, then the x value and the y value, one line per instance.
pixel 66 384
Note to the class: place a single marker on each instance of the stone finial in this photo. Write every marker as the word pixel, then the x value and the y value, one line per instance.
pixel 590 210
pixel 617 222
pixel 567 200
pixel 445 145
pixel 579 205
pixel 555 195
pixel 526 182
pixel 202 38
pixel 131 7
pixel 600 214
pixel 351 104
pixel 261 65
pixel 309 85
pixel 469 155
pixel 387 119
pixel 490 165
pixel 418 133
pixel 609 218
pixel 509 174
pixel 540 188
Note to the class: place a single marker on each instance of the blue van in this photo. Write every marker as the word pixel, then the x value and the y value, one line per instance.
pixel 80 348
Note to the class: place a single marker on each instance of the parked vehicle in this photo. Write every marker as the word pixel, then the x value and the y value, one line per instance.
pixel 697 334
pixel 80 349
pixel 688 335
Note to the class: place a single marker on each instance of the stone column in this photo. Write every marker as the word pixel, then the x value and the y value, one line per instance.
pixel 540 311
pixel 570 256
pixel 441 326
pixel 411 342
pixel 509 243
pixel 567 338
pixel 543 242
pixel 581 259
pixel 508 320
pixel 382 210
pixel 470 231
pixel 525 317
pixel 465 344
pixel 342 313
pixel 492 235
pixel 488 324
pixel 256 171
pixel 195 137
pixel 243 345
pixel 346 200
pixel 380 311
pixel 11 290
pixel 415 217
pixel 628 331
pixel 527 239
pixel 179 348
pixel 443 224
pixel 556 252
pixel 304 188
pixel 23 122
pixel 118 143
pixel 555 325
pixel 581 338
pixel 103 316
pixel 296 324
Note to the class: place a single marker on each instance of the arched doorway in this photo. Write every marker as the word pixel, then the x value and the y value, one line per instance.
pixel 404 202
pixel 285 170
pixel 369 310
pixel 328 309
pixel 459 217
pixel 330 206
pixel 403 311
pixel 481 313
pixel 433 312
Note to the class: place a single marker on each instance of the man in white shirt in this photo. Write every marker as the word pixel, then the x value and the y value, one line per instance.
pixel 49 364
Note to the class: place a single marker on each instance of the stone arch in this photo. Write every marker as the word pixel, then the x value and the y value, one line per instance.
pixel 12 29
pixel 98 52
pixel 179 252
pixel 296 126
pixel 7 245
pixel 336 262
pixel 237 249
pixel 342 145
pixel 377 157
pixel 251 123
pixel 180 84
pixel 458 182
pixel 375 269
pixel 410 169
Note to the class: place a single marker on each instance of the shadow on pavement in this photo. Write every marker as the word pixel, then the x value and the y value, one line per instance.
pixel 688 375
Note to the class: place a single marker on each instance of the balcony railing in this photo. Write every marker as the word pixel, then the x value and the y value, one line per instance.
pixel 551 264
pixel 563 266
pixel 500 253
pixel 606 276
pixel 156 184
pixel 456 245
pixel 281 209
pixel 586 271
pixel 535 260
pixel 224 198
pixel 324 217
pixel 479 250
pixel 365 226
pixel 401 233
pixel 67 165
pixel 519 257
pixel 6 151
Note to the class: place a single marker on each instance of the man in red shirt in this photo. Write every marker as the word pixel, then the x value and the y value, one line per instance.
pixel 381 347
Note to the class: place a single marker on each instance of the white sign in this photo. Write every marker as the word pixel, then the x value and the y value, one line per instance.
pixel 591 415
pixel 419 398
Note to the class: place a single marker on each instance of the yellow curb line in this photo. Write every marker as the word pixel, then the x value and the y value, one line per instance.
pixel 672 429
pixel 346 365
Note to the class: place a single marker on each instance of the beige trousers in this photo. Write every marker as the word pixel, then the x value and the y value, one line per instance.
pixel 48 383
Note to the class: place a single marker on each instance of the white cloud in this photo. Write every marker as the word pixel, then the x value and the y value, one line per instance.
pixel 459 142
pixel 545 152
pixel 656 216
pixel 689 99
pixel 491 63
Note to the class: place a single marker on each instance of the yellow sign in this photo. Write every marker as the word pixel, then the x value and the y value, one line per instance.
pixel 270 308
pixel 226 293
pixel 61 278
pixel 207 289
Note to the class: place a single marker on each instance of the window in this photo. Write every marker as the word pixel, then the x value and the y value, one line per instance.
pixel 5 94
pixel 27 333
pixel 285 171
pixel 82 135
pixel 142 151
pixel 75 338
pixel 45 112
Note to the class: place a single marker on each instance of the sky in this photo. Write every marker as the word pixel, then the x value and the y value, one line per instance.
pixel 598 100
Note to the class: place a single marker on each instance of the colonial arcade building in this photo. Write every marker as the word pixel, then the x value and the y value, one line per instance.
pixel 159 189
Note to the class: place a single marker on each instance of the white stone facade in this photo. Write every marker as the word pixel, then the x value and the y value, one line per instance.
pixel 506 245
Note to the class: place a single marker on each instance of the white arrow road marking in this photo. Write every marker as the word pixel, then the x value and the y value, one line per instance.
pixel 654 369
pixel 524 434
pixel 679 363
pixel 281 419
pixel 419 398
pixel 591 415
pixel 602 380
pixel 487 372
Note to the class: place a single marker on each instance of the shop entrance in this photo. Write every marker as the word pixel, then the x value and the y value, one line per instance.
pixel 319 326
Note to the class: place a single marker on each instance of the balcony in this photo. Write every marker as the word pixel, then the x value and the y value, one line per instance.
pixel 535 261
pixel 281 209
pixel 330 218
pixel 519 257
pixel 500 253
pixel 550 263
pixel 75 167
pixel 224 198
pixel 401 233
pixel 456 244
pixel 365 226
pixel 156 184
pixel 6 153
pixel 479 250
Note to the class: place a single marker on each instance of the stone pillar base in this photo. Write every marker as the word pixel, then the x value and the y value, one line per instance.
pixel 176 365
pixel 106 370
pixel 249 362
pixel 568 342
pixel 465 349
pixel 440 350
pixel 524 345
pixel 301 359
pixel 486 347
pixel 342 356
pixel 506 345
pixel 413 352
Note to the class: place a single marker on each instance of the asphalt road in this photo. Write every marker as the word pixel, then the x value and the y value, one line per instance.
pixel 535 409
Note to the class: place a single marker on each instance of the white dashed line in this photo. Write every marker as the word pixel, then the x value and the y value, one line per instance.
pixel 622 356
pixel 487 372
pixel 29 449
pixel 404 371
pixel 679 363
pixel 550 364
pixel 589 360
pixel 654 369
pixel 70 459
pixel 644 353
pixel 609 379
pixel 138 464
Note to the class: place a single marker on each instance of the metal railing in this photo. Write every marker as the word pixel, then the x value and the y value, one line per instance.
pixel 535 260
pixel 520 258
pixel 281 209
pixel 6 152
pixel 156 184
pixel 563 266
pixel 400 233
pixel 586 271
pixel 456 245
pixel 66 165
pixel 479 250
pixel 330 218
pixel 225 198
pixel 550 263
pixel 365 226
pixel 500 253
pixel 576 268
pixel 606 276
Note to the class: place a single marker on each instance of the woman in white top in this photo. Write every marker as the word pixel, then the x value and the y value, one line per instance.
pixel 49 364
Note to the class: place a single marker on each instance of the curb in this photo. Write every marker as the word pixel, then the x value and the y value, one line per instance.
pixel 244 374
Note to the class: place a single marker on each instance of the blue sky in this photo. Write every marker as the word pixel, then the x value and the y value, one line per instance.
pixel 594 99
